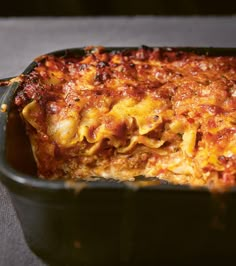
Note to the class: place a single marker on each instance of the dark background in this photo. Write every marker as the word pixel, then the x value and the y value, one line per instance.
pixel 121 7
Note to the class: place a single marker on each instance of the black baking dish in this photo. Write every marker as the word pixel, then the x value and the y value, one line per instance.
pixel 110 223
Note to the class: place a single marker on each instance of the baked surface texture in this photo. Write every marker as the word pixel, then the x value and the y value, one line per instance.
pixel 162 113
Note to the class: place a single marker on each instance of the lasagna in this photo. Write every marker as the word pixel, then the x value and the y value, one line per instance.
pixel 151 112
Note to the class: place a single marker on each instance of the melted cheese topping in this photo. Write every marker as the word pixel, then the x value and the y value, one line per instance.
pixel 152 112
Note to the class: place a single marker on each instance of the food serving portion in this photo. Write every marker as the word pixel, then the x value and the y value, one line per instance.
pixel 150 112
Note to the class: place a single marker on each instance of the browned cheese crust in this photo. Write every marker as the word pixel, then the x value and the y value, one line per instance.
pixel 152 112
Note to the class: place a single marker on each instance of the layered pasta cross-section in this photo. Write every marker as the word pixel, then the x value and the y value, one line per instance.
pixel 149 112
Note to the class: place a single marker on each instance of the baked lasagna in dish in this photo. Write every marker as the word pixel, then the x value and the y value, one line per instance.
pixel 149 112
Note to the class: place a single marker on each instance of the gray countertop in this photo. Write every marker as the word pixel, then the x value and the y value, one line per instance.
pixel 21 40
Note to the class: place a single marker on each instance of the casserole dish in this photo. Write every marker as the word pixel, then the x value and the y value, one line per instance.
pixel 110 223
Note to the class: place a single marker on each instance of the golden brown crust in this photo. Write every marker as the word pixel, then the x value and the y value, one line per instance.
pixel 151 112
